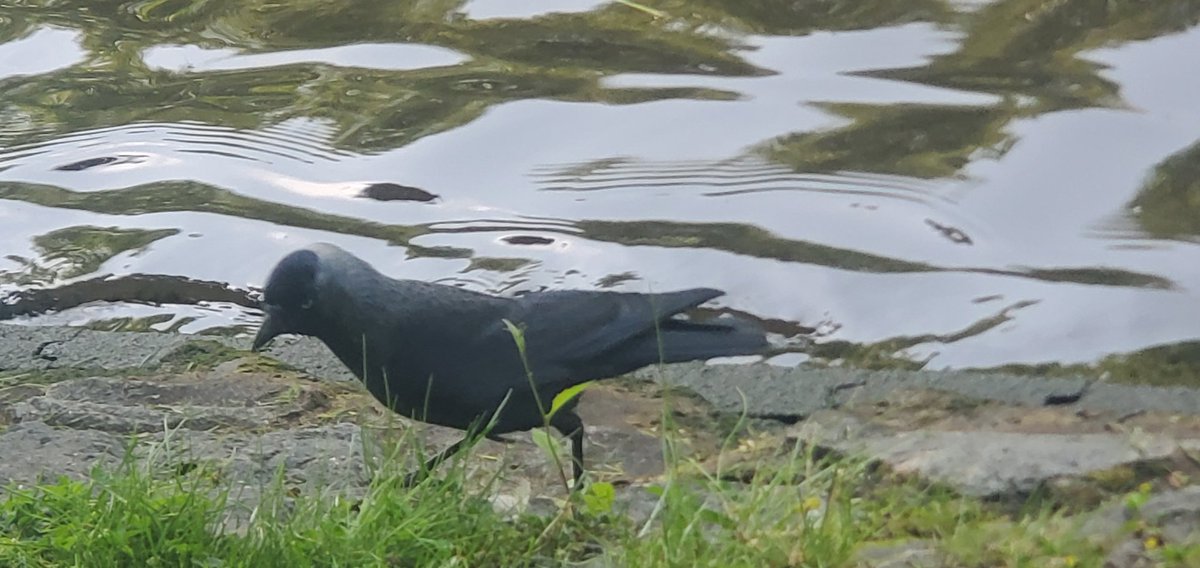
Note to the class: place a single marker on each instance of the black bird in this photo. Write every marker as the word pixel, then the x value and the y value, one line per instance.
pixel 446 356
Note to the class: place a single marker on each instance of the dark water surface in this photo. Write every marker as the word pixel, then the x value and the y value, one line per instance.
pixel 982 183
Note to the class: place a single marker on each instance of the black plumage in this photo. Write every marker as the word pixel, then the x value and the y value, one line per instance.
pixel 445 355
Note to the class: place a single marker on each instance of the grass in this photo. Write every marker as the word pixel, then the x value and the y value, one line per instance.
pixel 794 510
pixel 152 515
pixel 133 518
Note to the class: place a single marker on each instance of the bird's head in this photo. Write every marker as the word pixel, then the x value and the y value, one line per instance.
pixel 290 298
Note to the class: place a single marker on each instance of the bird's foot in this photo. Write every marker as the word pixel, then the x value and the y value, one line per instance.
pixel 413 478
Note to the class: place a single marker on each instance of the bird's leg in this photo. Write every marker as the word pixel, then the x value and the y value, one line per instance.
pixel 570 425
pixel 420 474
pixel 498 438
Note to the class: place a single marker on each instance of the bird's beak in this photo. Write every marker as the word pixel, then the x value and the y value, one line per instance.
pixel 266 332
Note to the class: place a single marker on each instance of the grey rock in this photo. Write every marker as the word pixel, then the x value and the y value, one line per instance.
pixel 322 460
pixel 325 459
pixel 636 503
pixel 120 405
pixel 12 396
pixel 1175 513
pixel 758 390
pixel 1130 554
pixel 328 457
pixel 906 554
pixel 308 354
pixel 1129 399
pixel 983 463
pixel 1006 389
pixel 30 348
pixel 35 451
pixel 765 390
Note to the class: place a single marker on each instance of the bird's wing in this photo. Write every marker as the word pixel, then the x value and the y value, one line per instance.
pixel 573 325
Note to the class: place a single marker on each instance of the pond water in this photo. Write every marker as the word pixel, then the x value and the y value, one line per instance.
pixel 973 183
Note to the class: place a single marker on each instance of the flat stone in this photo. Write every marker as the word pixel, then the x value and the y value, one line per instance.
pixel 622 446
pixel 19 393
pixel 328 457
pixel 765 390
pixel 758 390
pixel 1175 513
pixel 906 554
pixel 121 405
pixel 1128 399
pixel 1173 517
pixel 987 450
pixel 35 347
pixel 35 451
pixel 305 353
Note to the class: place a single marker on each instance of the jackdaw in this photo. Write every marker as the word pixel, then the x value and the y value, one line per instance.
pixel 447 356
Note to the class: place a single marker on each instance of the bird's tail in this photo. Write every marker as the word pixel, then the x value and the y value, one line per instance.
pixel 678 340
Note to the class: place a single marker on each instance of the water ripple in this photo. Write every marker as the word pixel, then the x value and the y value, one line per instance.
pixel 730 177
pixel 122 144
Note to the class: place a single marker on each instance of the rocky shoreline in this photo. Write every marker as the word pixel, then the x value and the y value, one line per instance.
pixel 71 398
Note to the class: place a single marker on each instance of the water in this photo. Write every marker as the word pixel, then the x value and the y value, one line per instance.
pixel 983 183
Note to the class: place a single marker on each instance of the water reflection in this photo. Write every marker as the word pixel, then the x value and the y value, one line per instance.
pixel 42 51
pixel 956 184
pixel 195 59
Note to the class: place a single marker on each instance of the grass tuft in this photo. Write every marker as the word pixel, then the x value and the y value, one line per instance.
pixel 797 510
